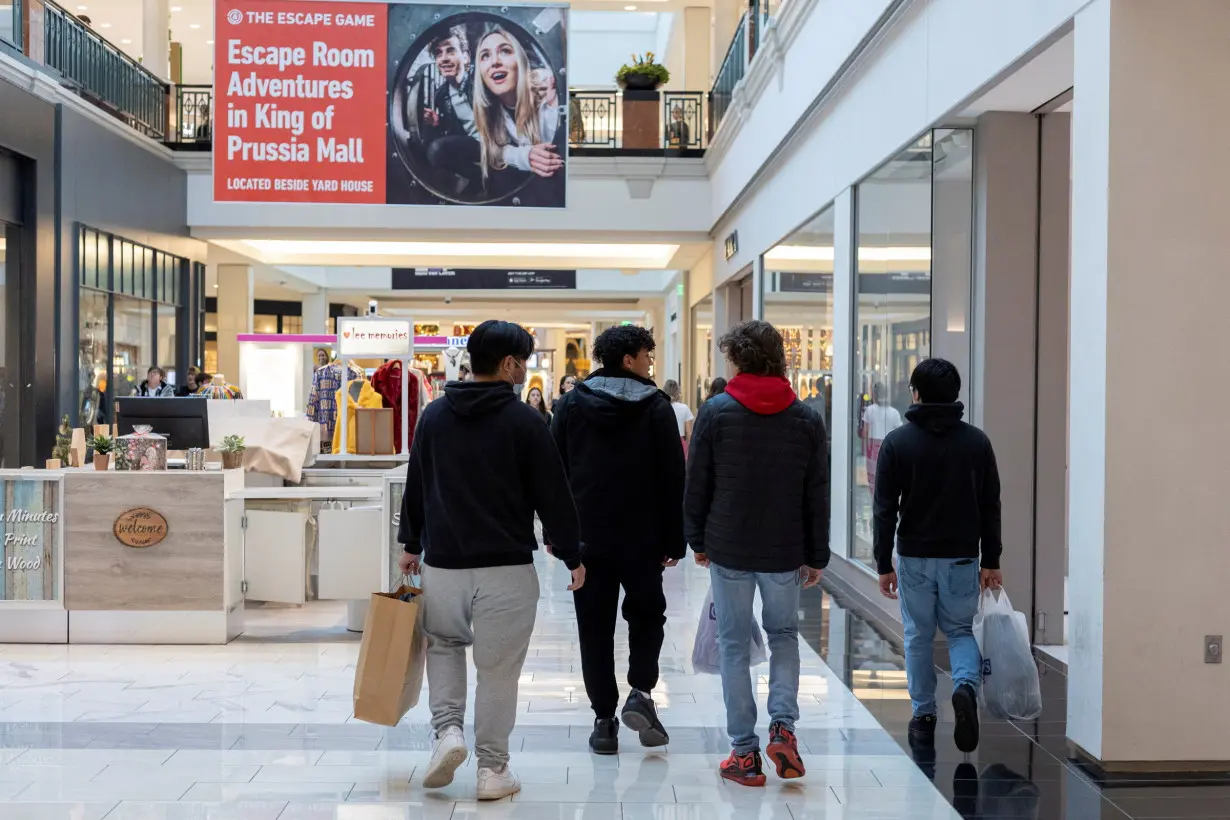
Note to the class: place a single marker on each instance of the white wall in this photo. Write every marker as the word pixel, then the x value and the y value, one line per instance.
pixel 599 42
pixel 939 55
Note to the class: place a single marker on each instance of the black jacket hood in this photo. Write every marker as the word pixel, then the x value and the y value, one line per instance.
pixel 478 398
pixel 614 397
pixel 938 419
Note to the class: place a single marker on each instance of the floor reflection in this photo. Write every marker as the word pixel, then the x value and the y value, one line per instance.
pixel 1021 770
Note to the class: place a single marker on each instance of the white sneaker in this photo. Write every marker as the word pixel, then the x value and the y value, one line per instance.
pixel 449 753
pixel 492 784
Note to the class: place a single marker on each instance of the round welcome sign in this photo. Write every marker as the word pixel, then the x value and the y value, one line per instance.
pixel 140 527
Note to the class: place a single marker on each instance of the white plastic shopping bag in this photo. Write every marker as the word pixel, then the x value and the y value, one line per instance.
pixel 706 659
pixel 1010 686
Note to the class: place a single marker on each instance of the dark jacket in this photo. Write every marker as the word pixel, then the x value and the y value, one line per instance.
pixel 442 101
pixel 758 479
pixel 481 465
pixel 619 440
pixel 937 490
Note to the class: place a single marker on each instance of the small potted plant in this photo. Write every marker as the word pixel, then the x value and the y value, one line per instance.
pixel 643 74
pixel 103 446
pixel 232 448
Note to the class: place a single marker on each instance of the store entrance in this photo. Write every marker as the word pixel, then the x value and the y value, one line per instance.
pixel 11 331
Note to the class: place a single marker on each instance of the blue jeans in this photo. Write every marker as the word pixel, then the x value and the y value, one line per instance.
pixel 733 594
pixel 938 593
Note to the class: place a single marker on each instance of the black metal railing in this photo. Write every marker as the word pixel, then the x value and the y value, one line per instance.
pixel 194 116
pixel 593 119
pixel 734 66
pixel 683 120
pixel 103 74
pixel 10 24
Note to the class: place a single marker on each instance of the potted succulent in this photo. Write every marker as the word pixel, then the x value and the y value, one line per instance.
pixel 643 74
pixel 103 446
pixel 232 448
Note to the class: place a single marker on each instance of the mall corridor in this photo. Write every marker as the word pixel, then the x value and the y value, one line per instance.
pixel 258 731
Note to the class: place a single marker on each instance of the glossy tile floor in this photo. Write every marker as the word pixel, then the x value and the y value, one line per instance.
pixel 1021 770
pixel 262 729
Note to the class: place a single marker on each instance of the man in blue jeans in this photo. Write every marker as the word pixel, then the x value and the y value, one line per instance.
pixel 937 491
pixel 756 513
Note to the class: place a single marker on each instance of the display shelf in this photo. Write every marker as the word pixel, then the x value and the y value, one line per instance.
pixel 307 493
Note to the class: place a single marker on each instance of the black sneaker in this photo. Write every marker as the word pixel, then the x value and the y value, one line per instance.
pixel 604 740
pixel 922 728
pixel 965 706
pixel 641 717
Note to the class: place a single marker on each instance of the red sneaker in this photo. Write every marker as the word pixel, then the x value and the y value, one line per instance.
pixel 783 750
pixel 743 769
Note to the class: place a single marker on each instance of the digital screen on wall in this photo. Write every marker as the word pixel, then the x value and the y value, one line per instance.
pixel 401 103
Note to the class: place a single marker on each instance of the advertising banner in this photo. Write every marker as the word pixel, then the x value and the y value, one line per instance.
pixel 482 279
pixel 402 103
pixel 376 338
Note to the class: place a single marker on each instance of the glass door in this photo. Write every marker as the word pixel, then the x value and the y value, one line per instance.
pixel 10 346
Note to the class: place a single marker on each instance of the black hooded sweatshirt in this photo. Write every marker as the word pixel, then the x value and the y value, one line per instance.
pixel 481 465
pixel 620 443
pixel 939 475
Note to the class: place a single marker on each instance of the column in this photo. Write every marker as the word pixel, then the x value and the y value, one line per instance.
pixel 843 379
pixel 697 48
pixel 235 294
pixel 316 312
pixel 1004 362
pixel 156 37
pixel 1149 449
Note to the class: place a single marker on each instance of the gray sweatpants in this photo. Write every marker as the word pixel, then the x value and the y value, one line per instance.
pixel 493 610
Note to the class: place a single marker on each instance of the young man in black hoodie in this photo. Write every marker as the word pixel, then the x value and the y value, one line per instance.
pixel 619 440
pixel 937 492
pixel 482 464
pixel 757 515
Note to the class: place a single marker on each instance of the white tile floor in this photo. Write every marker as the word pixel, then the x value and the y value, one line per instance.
pixel 258 731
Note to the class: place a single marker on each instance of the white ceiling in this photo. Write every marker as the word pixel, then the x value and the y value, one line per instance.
pixel 120 22
pixel 1037 79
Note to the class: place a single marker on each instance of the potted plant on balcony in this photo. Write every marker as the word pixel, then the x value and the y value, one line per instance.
pixel 102 445
pixel 643 74
pixel 232 448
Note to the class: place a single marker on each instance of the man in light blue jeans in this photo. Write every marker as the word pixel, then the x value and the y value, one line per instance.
pixel 733 593
pixel 937 498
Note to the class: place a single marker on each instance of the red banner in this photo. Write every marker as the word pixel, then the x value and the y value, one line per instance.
pixel 299 101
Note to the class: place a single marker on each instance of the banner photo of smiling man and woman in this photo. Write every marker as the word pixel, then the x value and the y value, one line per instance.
pixel 390 103
pixel 478 105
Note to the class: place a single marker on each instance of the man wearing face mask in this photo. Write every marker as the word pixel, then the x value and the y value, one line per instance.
pixel 482 464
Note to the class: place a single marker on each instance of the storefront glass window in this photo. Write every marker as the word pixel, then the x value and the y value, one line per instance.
pixel 702 349
pixel 913 254
pixel 798 301
pixel 264 324
pixel 168 339
pixel 132 356
pixel 92 357
pixel 10 22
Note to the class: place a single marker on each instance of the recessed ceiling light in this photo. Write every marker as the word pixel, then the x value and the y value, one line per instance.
pixel 629 8
pixel 194 25
pixel 104 25
pixel 209 42
pixel 83 8
pixel 125 42
pixel 177 8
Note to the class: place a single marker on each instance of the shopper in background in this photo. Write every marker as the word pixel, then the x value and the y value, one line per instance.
pixel 937 494
pixel 716 388
pixel 565 384
pixel 535 400
pixel 191 382
pixel 683 413
pixel 879 419
pixel 757 515
pixel 618 438
pixel 155 385
pixel 474 532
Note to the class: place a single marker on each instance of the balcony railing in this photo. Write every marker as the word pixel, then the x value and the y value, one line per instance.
pixel 103 74
pixel 734 66
pixel 595 120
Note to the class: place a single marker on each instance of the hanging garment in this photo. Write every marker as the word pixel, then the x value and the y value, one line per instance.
pixel 387 382
pixel 322 401
pixel 361 395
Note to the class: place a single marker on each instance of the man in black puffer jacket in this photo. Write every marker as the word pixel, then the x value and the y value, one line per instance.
pixel 619 440
pixel 757 514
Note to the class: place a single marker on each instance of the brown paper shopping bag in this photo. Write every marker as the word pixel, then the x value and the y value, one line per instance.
pixel 392 658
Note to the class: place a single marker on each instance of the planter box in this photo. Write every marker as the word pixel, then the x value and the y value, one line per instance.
pixel 642 113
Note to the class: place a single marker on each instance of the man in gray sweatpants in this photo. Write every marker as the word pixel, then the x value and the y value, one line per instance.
pixel 482 464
